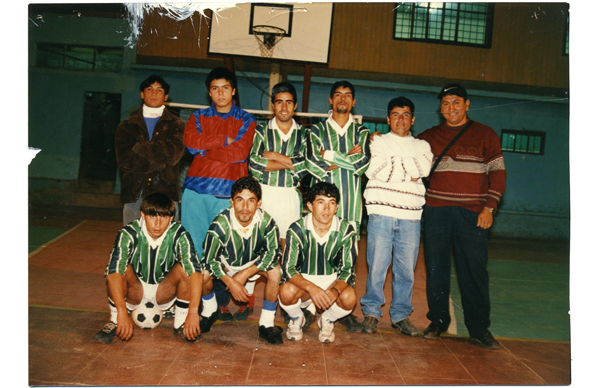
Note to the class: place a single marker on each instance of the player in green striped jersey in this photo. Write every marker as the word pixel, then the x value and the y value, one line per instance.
pixel 318 264
pixel 277 159
pixel 153 260
pixel 337 152
pixel 242 244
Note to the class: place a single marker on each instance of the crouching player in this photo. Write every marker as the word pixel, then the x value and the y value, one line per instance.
pixel 318 264
pixel 241 245
pixel 153 260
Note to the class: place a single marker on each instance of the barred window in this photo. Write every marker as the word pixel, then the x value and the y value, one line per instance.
pixel 72 57
pixel 468 24
pixel 526 142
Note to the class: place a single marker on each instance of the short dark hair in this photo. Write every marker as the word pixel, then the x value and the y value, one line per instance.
pixel 283 87
pixel 158 204
pixel 247 183
pixel 151 80
pixel 323 188
pixel 401 102
pixel 221 73
pixel 339 84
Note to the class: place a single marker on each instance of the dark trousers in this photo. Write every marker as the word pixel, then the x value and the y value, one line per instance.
pixel 456 227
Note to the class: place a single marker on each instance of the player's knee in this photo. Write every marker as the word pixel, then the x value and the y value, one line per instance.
pixel 347 299
pixel 288 293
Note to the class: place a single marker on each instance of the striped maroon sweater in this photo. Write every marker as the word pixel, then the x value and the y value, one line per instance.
pixel 471 174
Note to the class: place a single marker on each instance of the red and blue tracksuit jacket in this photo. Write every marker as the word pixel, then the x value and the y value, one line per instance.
pixel 217 165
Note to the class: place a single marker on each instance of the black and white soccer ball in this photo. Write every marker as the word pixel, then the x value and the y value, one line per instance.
pixel 147 316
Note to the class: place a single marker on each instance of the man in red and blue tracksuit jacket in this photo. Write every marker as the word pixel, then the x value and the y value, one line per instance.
pixel 220 138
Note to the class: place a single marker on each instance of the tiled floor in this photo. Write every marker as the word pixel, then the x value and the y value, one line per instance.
pixel 67 306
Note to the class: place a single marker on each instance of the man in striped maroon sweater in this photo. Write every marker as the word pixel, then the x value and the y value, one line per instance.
pixel 463 196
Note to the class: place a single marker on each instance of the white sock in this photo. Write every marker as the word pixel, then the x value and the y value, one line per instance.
pixel 312 308
pixel 209 304
pixel 249 286
pixel 267 318
pixel 334 313
pixel 181 312
pixel 113 311
pixel 294 310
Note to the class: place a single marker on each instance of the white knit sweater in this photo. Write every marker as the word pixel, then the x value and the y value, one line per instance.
pixel 394 160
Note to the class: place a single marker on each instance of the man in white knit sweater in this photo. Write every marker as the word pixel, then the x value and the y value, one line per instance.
pixel 394 198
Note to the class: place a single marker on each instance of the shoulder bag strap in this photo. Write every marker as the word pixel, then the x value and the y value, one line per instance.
pixel 450 145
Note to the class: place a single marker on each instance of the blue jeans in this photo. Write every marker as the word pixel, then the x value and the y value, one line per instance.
pixel 447 229
pixel 387 235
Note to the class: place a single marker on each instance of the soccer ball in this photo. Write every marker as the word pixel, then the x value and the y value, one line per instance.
pixel 147 316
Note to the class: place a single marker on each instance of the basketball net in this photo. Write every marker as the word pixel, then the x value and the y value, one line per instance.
pixel 270 37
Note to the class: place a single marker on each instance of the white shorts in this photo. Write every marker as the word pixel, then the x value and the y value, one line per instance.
pixel 149 296
pixel 233 270
pixel 283 204
pixel 323 281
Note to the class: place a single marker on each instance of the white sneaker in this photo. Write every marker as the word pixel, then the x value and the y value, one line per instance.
pixel 326 335
pixel 294 330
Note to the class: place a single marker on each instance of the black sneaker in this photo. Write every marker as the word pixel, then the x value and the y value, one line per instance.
pixel 432 332
pixel 271 334
pixel 243 312
pixel 406 327
pixel 224 315
pixel 486 340
pixel 352 323
pixel 206 323
pixel 309 319
pixel 107 333
pixel 170 312
pixel 178 333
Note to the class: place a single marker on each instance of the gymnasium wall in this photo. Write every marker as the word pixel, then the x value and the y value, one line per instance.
pixel 536 203
pixel 527 45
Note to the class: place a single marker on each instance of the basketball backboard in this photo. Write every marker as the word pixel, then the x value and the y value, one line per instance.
pixel 307 30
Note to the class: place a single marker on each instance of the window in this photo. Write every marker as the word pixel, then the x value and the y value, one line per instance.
pixel 379 125
pixel 526 142
pixel 468 24
pixel 70 57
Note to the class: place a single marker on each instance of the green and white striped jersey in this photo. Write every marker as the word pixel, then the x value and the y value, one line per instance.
pixel 225 247
pixel 152 264
pixel 268 138
pixel 304 255
pixel 347 177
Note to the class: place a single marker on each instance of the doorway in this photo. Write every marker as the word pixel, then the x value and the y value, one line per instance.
pixel 101 116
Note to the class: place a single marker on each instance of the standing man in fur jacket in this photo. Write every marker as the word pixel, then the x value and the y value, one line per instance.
pixel 149 145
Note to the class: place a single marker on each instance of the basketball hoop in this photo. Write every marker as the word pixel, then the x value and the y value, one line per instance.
pixel 271 35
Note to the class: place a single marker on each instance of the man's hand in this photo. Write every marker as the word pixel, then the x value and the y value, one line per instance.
pixel 323 299
pixel 485 219
pixel 372 136
pixel 271 155
pixel 124 326
pixel 238 291
pixel 229 140
pixel 191 326
pixel 356 149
